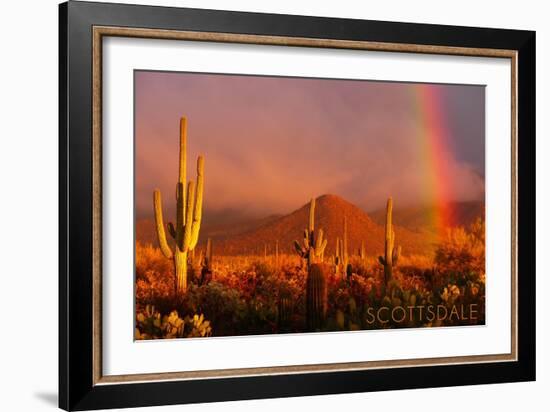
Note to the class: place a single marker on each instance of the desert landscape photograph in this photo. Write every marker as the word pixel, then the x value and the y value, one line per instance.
pixel 270 205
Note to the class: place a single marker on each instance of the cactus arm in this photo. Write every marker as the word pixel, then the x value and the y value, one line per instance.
pixel 318 241
pixel 189 216
pixel 197 212
pixel 159 223
pixel 312 215
pixel 182 172
pixel 299 249
pixel 396 255
pixel 172 230
pixel 389 232
pixel 323 247
pixel 306 239
pixel 180 213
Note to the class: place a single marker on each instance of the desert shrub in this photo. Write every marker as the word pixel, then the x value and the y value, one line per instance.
pixel 363 267
pixel 416 262
pixel 462 253
pixel 262 306
pixel 243 297
pixel 155 280
pixel 221 304
pixel 414 265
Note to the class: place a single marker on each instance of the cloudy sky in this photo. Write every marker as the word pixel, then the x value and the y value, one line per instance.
pixel 271 143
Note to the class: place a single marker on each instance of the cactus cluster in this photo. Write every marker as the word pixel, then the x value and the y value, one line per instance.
pixel 316 296
pixel 391 251
pixel 188 214
pixel 313 246
pixel 151 325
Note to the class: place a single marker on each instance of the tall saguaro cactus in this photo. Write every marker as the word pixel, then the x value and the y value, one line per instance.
pixel 344 253
pixel 362 252
pixel 337 258
pixel 313 247
pixel 391 252
pixel 345 240
pixel 316 296
pixel 342 256
pixel 188 214
pixel 208 256
pixel 284 309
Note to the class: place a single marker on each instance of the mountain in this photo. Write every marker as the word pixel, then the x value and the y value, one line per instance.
pixel 240 235
pixel 418 218
pixel 329 214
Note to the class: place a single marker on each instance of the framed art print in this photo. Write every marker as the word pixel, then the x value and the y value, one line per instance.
pixel 259 205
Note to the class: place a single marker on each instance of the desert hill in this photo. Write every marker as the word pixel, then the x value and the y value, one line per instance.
pixel 329 215
pixel 251 236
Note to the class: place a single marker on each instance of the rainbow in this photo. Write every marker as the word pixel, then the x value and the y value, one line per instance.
pixel 434 154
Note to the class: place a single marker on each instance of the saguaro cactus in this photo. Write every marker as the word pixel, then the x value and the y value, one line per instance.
pixel 391 252
pixel 344 252
pixel 208 256
pixel 316 296
pixel 188 214
pixel 313 247
pixel 362 252
pixel 206 264
pixel 196 260
pixel 342 257
pixel 201 264
pixel 337 258
pixel 345 243
pixel 284 310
